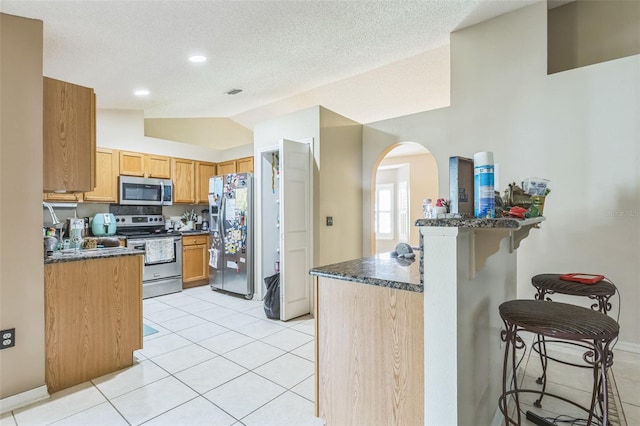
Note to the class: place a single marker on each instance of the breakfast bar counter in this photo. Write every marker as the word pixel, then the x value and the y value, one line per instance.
pixel 369 341
pixel 418 343
pixel 382 270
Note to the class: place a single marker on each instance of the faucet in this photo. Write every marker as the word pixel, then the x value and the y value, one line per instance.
pixel 54 218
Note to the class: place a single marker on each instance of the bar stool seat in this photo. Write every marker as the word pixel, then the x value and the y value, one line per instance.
pixel 547 284
pixel 593 330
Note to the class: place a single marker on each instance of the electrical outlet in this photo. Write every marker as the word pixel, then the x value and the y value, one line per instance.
pixel 8 338
pixel 329 220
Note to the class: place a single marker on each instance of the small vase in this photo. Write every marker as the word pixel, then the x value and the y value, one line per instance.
pixel 190 224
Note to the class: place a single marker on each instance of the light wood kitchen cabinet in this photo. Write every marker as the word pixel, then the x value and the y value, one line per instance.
pixel 195 260
pixel 227 167
pixel 93 318
pixel 158 166
pixel 69 137
pixel 145 165
pixel 183 180
pixel 132 163
pixel 72 197
pixel 107 170
pixel 203 172
pixel 244 165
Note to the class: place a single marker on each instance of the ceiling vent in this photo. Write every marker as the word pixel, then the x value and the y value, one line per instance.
pixel 233 91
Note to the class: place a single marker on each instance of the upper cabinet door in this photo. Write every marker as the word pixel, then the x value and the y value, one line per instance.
pixel 204 171
pixel 244 165
pixel 183 181
pixel 132 163
pixel 69 138
pixel 227 167
pixel 106 191
pixel 157 166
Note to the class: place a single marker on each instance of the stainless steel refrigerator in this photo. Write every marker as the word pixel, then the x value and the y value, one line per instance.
pixel 231 233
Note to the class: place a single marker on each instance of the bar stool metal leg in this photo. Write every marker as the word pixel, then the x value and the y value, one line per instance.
pixel 513 342
pixel 544 361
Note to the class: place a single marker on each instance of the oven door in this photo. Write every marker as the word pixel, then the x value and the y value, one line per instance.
pixel 159 270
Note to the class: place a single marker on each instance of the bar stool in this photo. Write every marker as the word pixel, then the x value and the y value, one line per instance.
pixel 549 284
pixel 593 330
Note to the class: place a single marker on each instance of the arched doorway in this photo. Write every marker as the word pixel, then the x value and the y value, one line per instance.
pixel 403 176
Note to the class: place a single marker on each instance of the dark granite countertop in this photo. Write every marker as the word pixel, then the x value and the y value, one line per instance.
pixel 381 270
pixel 194 232
pixel 87 254
pixel 503 222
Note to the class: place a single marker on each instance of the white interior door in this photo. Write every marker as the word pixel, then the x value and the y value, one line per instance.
pixel 295 228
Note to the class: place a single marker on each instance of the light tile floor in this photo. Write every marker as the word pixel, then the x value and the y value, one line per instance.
pixel 217 360
pixel 576 384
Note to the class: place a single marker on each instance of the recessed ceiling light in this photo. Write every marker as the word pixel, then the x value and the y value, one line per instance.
pixel 197 58
pixel 141 92
pixel 233 91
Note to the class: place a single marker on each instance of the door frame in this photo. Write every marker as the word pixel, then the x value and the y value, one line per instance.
pixel 257 183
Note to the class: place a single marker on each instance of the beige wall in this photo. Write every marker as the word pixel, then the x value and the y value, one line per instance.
pixel 340 167
pixel 337 190
pixel 586 32
pixel 214 133
pixel 423 175
pixel 21 250
pixel 417 83
pixel 579 129
pixel 429 129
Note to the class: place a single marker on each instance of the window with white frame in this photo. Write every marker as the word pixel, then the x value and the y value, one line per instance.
pixel 403 212
pixel 384 207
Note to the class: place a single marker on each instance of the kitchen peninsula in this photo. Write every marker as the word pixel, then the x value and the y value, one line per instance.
pixel 401 342
pixel 93 314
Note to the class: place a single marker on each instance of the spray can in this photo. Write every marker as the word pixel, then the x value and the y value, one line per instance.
pixel 483 185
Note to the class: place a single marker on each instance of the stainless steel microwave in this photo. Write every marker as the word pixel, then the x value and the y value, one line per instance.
pixel 145 191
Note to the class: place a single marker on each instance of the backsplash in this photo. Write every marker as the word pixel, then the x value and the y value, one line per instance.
pixel 91 209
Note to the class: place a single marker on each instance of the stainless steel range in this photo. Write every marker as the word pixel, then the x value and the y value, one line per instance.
pixel 162 273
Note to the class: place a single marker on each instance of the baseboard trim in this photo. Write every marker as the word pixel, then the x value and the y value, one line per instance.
pixel 13 402
pixel 628 347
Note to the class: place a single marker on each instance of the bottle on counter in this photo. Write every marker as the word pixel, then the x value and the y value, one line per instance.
pixel 427 208
pixel 483 185
pixel 440 210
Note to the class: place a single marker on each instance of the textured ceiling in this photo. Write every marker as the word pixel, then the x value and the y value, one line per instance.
pixel 270 49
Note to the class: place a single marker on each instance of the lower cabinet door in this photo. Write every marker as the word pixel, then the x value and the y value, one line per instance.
pixel 195 268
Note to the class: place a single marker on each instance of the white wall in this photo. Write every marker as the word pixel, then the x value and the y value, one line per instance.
pixel 579 128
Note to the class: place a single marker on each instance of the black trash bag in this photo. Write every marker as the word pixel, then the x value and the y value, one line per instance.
pixel 272 298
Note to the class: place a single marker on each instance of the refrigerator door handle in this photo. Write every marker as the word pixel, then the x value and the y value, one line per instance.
pixel 221 215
